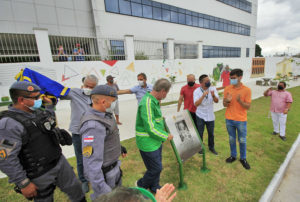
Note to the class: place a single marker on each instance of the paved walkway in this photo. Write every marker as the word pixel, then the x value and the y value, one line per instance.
pixel 289 188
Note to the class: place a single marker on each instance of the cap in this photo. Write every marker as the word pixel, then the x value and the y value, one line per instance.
pixel 104 90
pixel 109 77
pixel 26 86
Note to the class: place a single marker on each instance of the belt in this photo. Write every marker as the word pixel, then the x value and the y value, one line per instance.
pixel 109 168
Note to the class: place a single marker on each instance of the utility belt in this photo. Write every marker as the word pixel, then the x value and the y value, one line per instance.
pixel 109 168
pixel 41 169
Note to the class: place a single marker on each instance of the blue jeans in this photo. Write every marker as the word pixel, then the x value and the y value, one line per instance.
pixel 76 139
pixel 152 161
pixel 210 125
pixel 241 128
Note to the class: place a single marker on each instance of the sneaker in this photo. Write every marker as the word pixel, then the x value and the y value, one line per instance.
pixel 230 159
pixel 85 187
pixel 274 133
pixel 213 151
pixel 245 164
pixel 282 137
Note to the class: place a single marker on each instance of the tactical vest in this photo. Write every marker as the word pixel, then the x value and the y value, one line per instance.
pixel 40 150
pixel 112 145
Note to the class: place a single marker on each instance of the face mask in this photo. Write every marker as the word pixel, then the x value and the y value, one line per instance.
pixel 112 107
pixel 233 81
pixel 141 83
pixel 207 84
pixel 280 88
pixel 191 83
pixel 37 105
pixel 87 91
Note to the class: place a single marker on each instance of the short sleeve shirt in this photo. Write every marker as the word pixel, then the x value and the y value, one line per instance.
pixel 235 111
pixel 140 91
pixel 279 100
pixel 188 96
pixel 205 110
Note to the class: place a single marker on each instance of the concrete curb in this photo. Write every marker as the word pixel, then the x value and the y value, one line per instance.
pixel 274 184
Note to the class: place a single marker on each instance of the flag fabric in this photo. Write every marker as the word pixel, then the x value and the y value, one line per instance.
pixel 47 85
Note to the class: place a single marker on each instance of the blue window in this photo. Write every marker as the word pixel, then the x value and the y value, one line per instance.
pixel 156 4
pixel 174 17
pixel 181 18
pixel 112 6
pixel 166 15
pixel 147 11
pixel 219 51
pixel 156 13
pixel 201 22
pixel 247 52
pixel 188 19
pixel 125 7
pixel 117 50
pixel 136 9
pixel 146 2
pixel 195 21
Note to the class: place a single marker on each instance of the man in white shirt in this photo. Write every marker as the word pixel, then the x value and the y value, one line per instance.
pixel 204 98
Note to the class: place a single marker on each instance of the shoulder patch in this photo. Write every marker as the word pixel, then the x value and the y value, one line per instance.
pixel 87 151
pixel 88 139
pixel 3 154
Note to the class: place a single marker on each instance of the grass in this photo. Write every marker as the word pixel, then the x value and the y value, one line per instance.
pixel 224 182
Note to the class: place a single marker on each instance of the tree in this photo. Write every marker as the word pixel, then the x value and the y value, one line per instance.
pixel 258 51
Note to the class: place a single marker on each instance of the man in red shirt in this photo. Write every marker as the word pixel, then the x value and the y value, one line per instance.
pixel 225 76
pixel 186 95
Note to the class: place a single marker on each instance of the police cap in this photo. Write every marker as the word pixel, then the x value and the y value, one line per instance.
pixel 104 90
pixel 25 86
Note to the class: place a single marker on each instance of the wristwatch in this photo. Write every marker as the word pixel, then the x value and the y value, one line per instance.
pixel 23 183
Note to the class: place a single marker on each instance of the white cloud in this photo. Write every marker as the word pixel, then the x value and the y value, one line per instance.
pixel 278 26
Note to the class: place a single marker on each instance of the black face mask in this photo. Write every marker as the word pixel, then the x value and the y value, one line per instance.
pixel 207 84
pixel 280 88
pixel 191 83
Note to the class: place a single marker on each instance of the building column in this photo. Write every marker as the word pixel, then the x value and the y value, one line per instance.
pixel 43 45
pixel 170 49
pixel 129 47
pixel 200 48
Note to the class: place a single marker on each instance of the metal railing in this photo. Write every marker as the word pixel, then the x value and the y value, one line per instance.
pixel 64 48
pixel 150 50
pixel 185 51
pixel 18 48
pixel 112 48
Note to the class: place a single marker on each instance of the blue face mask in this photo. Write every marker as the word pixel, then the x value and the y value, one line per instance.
pixel 207 84
pixel 37 105
pixel 233 81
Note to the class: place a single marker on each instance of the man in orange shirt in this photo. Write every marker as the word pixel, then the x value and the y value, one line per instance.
pixel 237 100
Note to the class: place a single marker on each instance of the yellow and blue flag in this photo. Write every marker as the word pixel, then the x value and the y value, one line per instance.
pixel 48 86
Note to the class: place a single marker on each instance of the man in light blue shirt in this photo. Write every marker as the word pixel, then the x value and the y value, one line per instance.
pixel 139 90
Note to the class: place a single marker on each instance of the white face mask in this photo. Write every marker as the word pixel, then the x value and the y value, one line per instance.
pixel 112 107
pixel 141 83
pixel 87 91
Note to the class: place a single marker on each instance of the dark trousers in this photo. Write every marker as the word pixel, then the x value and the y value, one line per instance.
pixel 153 163
pixel 210 125
pixel 193 115
pixel 76 139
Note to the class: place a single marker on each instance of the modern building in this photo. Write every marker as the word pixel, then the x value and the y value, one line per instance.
pixel 162 38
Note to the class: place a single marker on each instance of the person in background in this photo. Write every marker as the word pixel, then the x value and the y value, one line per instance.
pixel 237 100
pixel 187 96
pixel 80 102
pixel 204 98
pixel 141 89
pixel 150 133
pixel 62 54
pixel 225 76
pixel 78 52
pixel 281 102
pixel 110 82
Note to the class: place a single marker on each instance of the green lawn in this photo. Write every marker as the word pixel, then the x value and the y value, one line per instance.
pixel 225 182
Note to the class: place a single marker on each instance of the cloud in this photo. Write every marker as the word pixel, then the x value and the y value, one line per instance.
pixel 278 20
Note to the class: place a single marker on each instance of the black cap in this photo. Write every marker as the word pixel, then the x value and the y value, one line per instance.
pixel 26 86
pixel 109 77
pixel 104 90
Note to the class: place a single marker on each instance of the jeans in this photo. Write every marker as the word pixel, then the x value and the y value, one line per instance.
pixel 210 125
pixel 76 139
pixel 153 163
pixel 241 128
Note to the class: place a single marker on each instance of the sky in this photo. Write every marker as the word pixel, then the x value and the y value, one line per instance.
pixel 278 26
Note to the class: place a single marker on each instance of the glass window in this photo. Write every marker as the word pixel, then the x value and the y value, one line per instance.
pixel 188 12
pixel 147 11
pixel 212 24
pixel 174 17
pixel 206 23
pixel 247 52
pixel 181 10
pixel 156 4
pixel 166 7
pixel 195 21
pixel 146 2
pixel 156 13
pixel 181 18
pixel 201 22
pixel 137 1
pixel 112 6
pixel 124 7
pixel 173 8
pixel 166 15
pixel 136 9
pixel 188 19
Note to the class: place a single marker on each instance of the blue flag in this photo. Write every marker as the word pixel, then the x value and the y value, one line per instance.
pixel 47 85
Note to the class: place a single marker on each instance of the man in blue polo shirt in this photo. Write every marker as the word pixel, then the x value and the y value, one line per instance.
pixel 139 90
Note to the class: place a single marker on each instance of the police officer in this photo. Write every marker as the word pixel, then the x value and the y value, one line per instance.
pixel 101 146
pixel 30 154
